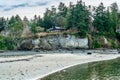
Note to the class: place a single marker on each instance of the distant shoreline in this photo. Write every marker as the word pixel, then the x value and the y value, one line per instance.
pixel 60 51
pixel 82 49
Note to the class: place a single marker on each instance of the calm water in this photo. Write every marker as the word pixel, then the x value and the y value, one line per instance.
pixel 104 70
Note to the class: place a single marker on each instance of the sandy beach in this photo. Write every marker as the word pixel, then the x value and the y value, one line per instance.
pixel 34 67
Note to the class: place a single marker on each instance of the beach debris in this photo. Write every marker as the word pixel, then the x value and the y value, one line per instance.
pixel 89 53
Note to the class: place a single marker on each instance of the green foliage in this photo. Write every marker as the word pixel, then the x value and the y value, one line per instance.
pixel 26 21
pixel 35 23
pixel 6 43
pixel 106 21
pixel 62 10
pixel 47 31
pixel 33 27
pixel 49 19
pixel 39 21
pixel 97 44
pixel 2 24
pixel 114 15
pixel 81 34
pixel 78 17
pixel 102 20
pixel 15 26
pixel 61 21
pixel 113 43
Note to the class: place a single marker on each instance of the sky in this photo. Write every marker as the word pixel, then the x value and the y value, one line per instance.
pixel 29 8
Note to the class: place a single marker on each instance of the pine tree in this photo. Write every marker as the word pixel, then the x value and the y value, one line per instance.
pixel 48 21
pixel 15 26
pixel 78 17
pixel 2 24
pixel 26 21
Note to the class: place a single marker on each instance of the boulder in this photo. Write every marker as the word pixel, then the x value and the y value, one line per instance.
pixel 26 45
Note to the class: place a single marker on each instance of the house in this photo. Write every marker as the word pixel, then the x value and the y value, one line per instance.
pixel 56 28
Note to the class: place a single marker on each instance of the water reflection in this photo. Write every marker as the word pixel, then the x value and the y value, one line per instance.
pixel 103 70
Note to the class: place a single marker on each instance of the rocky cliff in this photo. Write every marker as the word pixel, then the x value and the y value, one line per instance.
pixel 55 42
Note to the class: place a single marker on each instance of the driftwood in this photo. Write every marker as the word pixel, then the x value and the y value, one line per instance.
pixel 89 53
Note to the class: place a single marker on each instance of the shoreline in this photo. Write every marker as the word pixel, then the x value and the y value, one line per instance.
pixel 37 66
pixel 94 60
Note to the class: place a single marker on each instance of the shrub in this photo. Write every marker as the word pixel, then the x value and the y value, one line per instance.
pixel 97 44
pixel 81 34
pixel 114 44
pixel 6 43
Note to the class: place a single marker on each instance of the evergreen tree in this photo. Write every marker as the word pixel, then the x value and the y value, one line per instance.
pixel 49 19
pixel 2 24
pixel 39 21
pixel 103 21
pixel 25 21
pixel 70 16
pixel 15 26
pixel 33 24
pixel 11 22
pixel 62 10
pixel 99 17
pixel 61 20
pixel 79 17
pixel 114 15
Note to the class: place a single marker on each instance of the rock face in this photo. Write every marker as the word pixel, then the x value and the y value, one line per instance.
pixel 72 42
pixel 60 42
pixel 54 42
pixel 26 45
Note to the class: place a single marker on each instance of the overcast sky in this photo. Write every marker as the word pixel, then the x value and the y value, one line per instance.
pixel 31 7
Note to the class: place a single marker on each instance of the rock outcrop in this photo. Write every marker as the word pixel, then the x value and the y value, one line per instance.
pixel 61 42
pixel 26 45
pixel 54 42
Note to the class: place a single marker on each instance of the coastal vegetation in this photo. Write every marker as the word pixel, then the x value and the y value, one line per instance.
pixel 98 23
pixel 101 70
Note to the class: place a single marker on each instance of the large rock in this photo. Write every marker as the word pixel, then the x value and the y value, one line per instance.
pixel 26 45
